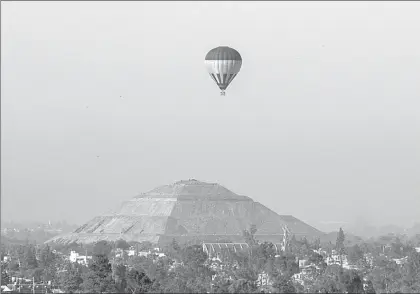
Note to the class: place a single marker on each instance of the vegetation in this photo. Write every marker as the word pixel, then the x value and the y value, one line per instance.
pixel 188 269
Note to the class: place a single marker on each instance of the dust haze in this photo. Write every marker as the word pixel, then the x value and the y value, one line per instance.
pixel 101 101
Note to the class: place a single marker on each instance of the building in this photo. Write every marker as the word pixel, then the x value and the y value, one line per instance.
pixel 81 259
pixel 217 250
pixel 400 261
pixel 338 259
pixel 306 273
pixel 320 251
pixel 5 289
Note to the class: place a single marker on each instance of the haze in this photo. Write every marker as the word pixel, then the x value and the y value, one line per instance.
pixel 103 100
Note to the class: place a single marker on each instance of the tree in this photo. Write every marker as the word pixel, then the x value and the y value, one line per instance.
pixel 138 282
pixel 330 281
pixel 355 254
pixel 339 244
pixel 317 259
pixel 5 279
pixel 145 246
pixel 102 248
pixel 385 276
pixel 327 285
pixel 35 274
pixel 46 257
pixel 122 244
pixel 71 279
pixel 248 235
pixel 304 246
pixel 264 255
pixel 50 273
pixel 242 286
pixel 175 246
pixel 183 279
pixel 352 282
pixel 120 277
pixel 411 273
pixel 286 264
pixel 316 244
pixel 369 288
pixel 397 248
pixel 232 279
pixel 283 284
pixel 193 256
pixel 98 277
pixel 220 284
pixel 194 275
pixel 157 271
pixel 293 246
pixel 173 250
pixel 13 266
pixel 30 257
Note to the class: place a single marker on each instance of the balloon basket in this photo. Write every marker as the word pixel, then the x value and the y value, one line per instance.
pixel 222 93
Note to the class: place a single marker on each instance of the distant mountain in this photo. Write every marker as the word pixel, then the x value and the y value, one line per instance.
pixel 5 241
pixel 32 225
pixel 38 236
pixel 350 239
pixel 32 231
pixel 414 230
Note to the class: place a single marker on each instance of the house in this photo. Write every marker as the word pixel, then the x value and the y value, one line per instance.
pixel 333 259
pixel 337 259
pixel 159 254
pixel 131 252
pixel 4 288
pixel 144 253
pixel 350 266
pixel 305 273
pixel 81 259
pixel 369 258
pixel 31 288
pixel 264 280
pixel 400 261
pixel 303 263
pixel 320 251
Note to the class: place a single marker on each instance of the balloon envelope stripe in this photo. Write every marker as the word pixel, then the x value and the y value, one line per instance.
pixel 214 78
pixel 223 53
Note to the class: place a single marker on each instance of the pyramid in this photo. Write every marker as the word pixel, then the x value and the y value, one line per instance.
pixel 187 211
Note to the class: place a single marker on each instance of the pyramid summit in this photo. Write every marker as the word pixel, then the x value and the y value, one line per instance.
pixel 193 189
pixel 187 210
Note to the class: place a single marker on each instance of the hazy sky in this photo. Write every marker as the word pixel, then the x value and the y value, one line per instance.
pixel 322 122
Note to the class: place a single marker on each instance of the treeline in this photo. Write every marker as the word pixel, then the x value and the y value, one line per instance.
pixel 186 268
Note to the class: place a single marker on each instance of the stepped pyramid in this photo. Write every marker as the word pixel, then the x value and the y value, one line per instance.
pixel 187 210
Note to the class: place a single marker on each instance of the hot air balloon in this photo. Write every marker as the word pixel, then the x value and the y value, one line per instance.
pixel 223 64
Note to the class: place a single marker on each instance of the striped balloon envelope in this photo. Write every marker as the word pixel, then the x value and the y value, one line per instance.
pixel 223 64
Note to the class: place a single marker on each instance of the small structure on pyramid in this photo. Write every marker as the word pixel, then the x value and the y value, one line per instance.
pixel 188 211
